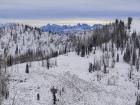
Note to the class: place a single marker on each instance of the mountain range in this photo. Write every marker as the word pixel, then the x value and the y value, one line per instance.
pixel 64 29
pixel 7 25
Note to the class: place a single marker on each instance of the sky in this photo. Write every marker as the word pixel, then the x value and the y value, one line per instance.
pixel 42 12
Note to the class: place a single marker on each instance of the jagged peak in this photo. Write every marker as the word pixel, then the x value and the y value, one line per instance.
pixel 69 28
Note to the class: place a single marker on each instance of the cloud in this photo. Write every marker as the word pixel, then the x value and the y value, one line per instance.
pixel 68 9
pixel 73 4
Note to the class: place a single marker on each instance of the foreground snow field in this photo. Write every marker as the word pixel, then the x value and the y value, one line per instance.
pixel 71 74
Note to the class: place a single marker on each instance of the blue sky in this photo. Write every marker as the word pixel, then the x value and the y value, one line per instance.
pixel 41 12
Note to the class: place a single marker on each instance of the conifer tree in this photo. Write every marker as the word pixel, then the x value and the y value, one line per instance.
pixel 117 57
pixel 130 74
pixel 90 67
pixel 126 56
pixel 134 57
pixel 48 64
pixel 10 60
pixel 129 22
pixel 38 97
pixel 139 51
pixel 138 85
pixel 137 65
pixel 78 49
pixel 83 51
pixel 104 68
pixel 137 43
pixel 138 100
pixel 27 68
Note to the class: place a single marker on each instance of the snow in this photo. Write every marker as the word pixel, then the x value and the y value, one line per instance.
pixel 69 29
pixel 71 73
pixel 135 26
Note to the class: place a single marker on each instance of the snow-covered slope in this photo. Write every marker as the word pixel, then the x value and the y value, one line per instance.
pixel 71 74
pixel 135 26
pixel 25 39
pixel 69 29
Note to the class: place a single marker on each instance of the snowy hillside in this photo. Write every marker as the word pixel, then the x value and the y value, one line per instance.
pixel 95 67
pixel 68 28
pixel 135 25
pixel 80 86
pixel 22 39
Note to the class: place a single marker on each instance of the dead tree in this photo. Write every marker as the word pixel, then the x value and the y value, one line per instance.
pixel 90 67
pixel 54 91
pixel 104 68
pixel 137 65
pixel 38 96
pixel 3 75
pixel 138 85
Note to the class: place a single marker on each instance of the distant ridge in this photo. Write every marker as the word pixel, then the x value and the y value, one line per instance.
pixel 7 25
pixel 54 28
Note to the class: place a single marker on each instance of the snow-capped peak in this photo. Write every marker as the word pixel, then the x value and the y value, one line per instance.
pixel 68 28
